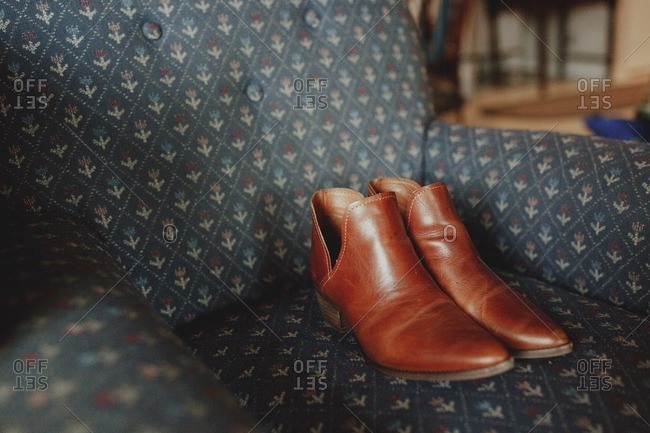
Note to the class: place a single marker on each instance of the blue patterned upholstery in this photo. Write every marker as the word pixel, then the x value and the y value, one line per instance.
pixel 570 210
pixel 108 361
pixel 177 131
pixel 141 132
pixel 244 354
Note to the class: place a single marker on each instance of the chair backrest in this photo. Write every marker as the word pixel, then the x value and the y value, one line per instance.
pixel 191 135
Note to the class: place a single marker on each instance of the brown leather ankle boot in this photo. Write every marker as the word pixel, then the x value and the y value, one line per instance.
pixel 449 255
pixel 371 282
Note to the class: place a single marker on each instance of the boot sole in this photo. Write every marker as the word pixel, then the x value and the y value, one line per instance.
pixel 543 353
pixel 337 320
pixel 479 373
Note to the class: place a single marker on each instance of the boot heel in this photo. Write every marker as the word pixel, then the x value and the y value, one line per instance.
pixel 332 315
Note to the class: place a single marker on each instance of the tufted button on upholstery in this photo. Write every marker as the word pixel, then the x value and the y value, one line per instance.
pixel 151 30
pixel 312 19
pixel 254 91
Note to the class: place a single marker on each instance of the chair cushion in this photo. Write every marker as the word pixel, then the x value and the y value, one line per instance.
pixel 568 209
pixel 267 356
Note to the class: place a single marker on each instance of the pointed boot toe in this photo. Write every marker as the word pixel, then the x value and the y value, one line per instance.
pixel 539 338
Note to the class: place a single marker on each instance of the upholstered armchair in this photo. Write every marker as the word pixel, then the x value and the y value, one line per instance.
pixel 158 159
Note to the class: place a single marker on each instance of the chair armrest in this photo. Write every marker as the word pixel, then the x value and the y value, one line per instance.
pixel 568 209
pixel 82 346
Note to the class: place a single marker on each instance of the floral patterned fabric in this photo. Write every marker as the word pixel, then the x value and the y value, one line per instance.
pixel 568 209
pixel 82 351
pixel 179 131
pixel 216 120
pixel 271 375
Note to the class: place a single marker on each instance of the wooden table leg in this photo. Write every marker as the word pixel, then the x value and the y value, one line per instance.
pixel 495 57
pixel 542 55
pixel 563 39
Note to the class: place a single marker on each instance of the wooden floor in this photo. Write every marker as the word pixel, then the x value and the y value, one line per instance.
pixel 562 107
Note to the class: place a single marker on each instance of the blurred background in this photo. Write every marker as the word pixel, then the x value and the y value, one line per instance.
pixel 570 65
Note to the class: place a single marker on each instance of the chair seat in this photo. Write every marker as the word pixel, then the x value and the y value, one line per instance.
pixel 270 357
